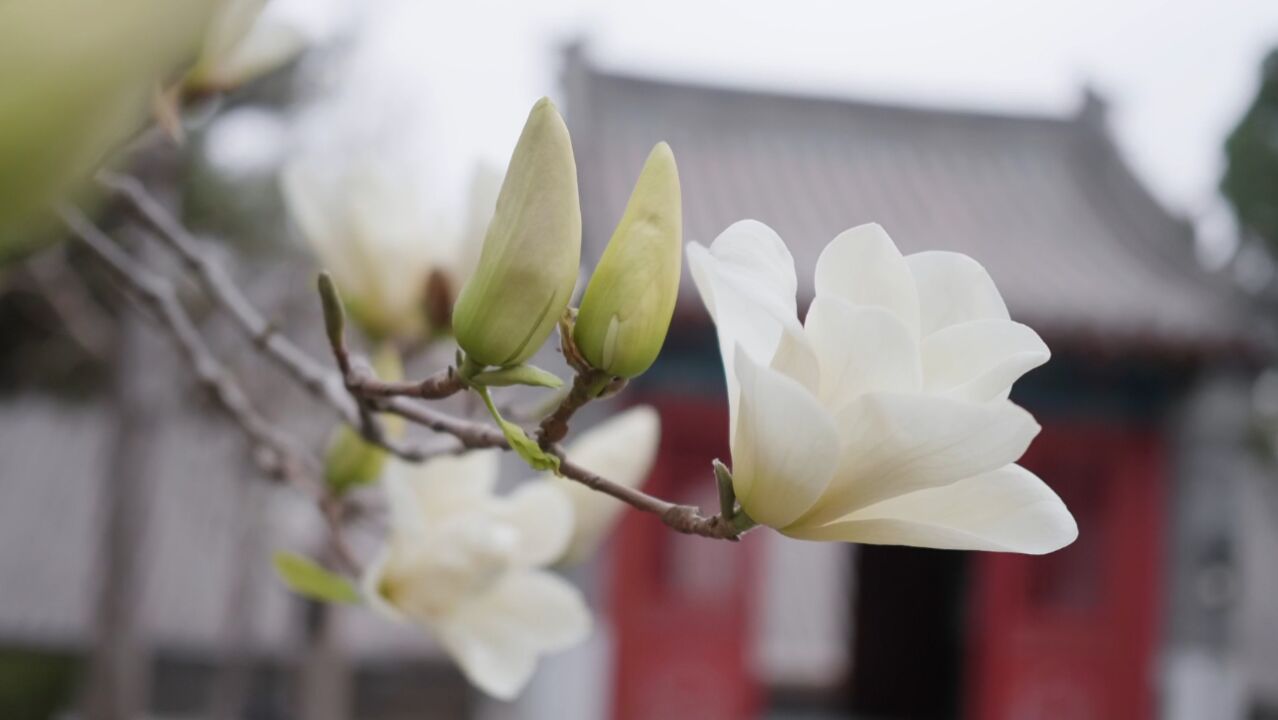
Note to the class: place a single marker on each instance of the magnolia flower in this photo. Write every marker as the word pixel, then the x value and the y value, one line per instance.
pixel 467 565
pixel 241 43
pixel 884 417
pixel 622 447
pixel 76 77
pixel 365 209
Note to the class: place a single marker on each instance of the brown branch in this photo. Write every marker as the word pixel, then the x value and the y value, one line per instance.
pixel 473 435
pixel 312 375
pixel 442 384
pixel 83 321
pixel 365 393
pixel 278 454
pixel 296 363
pixel 586 386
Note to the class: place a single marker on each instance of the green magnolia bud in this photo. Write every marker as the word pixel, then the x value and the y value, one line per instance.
pixel 349 460
pixel 532 250
pixel 626 310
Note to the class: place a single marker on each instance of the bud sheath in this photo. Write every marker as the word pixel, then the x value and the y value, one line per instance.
pixel 628 304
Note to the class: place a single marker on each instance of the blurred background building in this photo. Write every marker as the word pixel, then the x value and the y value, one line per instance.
pixel 1093 205
pixel 1139 333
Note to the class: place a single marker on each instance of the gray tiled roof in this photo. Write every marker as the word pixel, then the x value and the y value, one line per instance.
pixel 1075 243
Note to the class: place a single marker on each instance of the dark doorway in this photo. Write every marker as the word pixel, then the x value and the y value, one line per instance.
pixel 907 644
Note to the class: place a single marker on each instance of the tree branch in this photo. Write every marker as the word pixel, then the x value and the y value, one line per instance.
pixel 308 372
pixel 276 453
pixel 355 392
pixel 284 459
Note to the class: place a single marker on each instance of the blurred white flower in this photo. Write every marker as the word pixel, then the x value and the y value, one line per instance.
pixel 884 417
pixel 361 188
pixel 76 79
pixel 246 142
pixel 243 41
pixel 466 564
pixel 622 448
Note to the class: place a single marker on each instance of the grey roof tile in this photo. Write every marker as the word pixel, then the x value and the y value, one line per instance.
pixel 1078 247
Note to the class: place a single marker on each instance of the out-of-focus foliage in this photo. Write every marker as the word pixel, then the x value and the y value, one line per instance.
pixel 34 685
pixel 1251 177
pixel 308 579
pixel 76 79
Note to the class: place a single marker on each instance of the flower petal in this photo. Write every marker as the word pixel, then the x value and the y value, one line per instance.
pixel 371 582
pixel 980 360
pixel 895 444
pixel 497 637
pixel 746 280
pixel 624 447
pixel 1004 510
pixel 543 516
pixel 860 349
pixel 425 494
pixel 863 267
pixel 953 288
pixel 784 448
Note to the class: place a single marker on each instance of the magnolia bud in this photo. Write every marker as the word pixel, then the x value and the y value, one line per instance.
pixel 626 310
pixel 532 250
pixel 349 460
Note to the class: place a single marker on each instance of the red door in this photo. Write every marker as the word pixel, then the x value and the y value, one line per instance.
pixel 1073 635
pixel 681 603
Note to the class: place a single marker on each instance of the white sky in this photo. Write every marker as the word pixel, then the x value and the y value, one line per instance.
pixel 1177 74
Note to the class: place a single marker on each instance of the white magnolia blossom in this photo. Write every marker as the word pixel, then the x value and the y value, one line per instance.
pixel 884 417
pixel 361 193
pixel 468 565
pixel 242 42
pixel 622 448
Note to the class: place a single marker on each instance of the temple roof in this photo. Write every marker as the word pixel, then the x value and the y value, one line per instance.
pixel 1078 246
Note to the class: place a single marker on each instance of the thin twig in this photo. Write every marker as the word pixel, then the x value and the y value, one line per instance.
pixel 586 386
pixel 442 384
pixel 473 435
pixel 310 373
pixel 282 458
pixel 365 393
pixel 81 318
pixel 323 384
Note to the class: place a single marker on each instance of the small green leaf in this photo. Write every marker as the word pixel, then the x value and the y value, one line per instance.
pixel 727 494
pixel 351 462
pixel 524 446
pixel 518 375
pixel 304 577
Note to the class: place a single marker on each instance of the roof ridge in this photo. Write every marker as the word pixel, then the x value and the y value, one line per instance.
pixel 815 97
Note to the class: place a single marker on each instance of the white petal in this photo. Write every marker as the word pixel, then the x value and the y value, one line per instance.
pixel 370 584
pixel 860 349
pixel 797 359
pixel 1005 510
pixel 746 280
pixel 895 444
pixel 863 267
pixel 953 288
pixel 425 494
pixel 785 446
pixel 622 448
pixel 497 637
pixel 312 197
pixel 980 360
pixel 228 26
pixel 543 516
pixel 270 42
